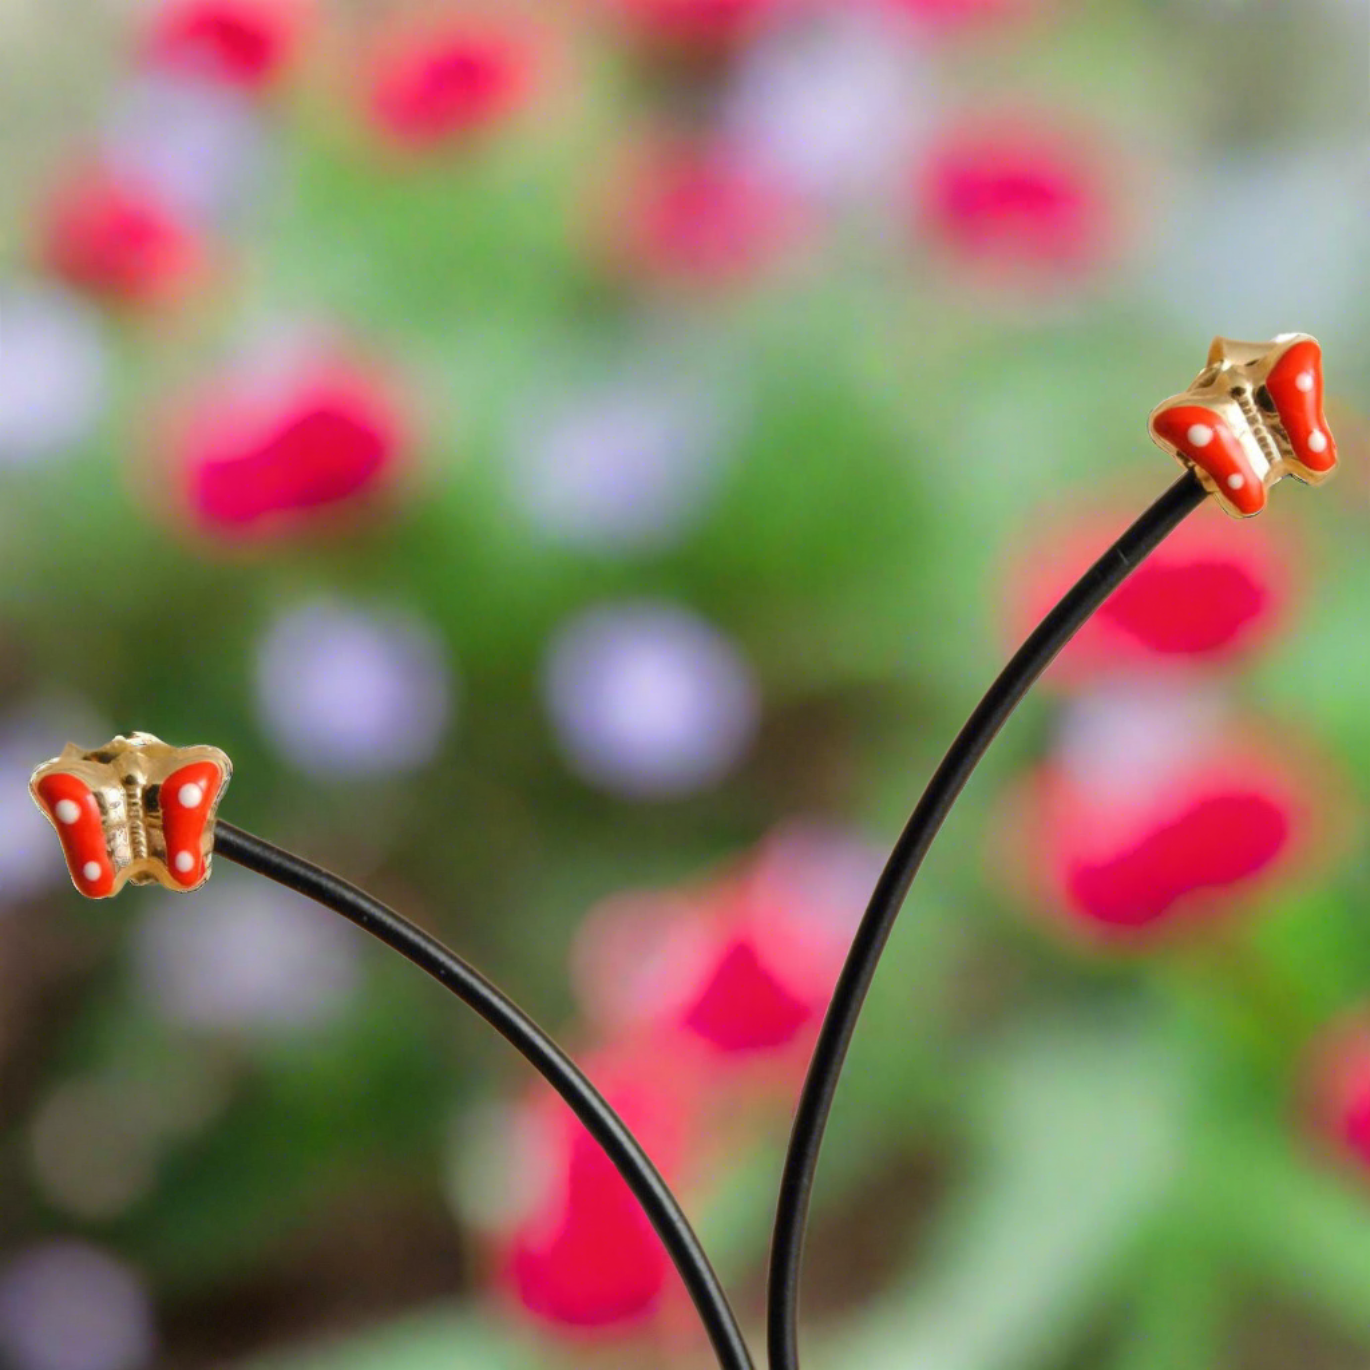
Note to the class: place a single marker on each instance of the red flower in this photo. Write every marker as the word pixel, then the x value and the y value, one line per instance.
pixel 691 215
pixel 1337 1088
pixel 582 1258
pixel 743 967
pixel 262 455
pixel 244 44
pixel 1215 591
pixel 1015 198
pixel 434 87
pixel 700 27
pixel 1136 828
pixel 116 238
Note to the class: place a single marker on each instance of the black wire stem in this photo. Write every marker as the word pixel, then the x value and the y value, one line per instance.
pixel 830 1050
pixel 815 1102
pixel 546 1057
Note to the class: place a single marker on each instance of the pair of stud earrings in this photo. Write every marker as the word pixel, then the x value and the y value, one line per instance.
pixel 138 811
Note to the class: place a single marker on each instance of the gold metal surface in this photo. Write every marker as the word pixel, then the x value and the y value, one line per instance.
pixel 126 777
pixel 1233 387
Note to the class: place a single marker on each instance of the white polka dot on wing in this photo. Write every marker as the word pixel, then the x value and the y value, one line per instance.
pixel 190 796
pixel 1317 441
pixel 185 862
pixel 1199 435
pixel 1305 381
pixel 91 870
pixel 67 811
pixel 1235 482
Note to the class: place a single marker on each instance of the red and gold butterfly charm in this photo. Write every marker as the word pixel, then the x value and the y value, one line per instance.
pixel 135 810
pixel 1253 414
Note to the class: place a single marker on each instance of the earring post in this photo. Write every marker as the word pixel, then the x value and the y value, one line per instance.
pixel 849 995
pixel 535 1046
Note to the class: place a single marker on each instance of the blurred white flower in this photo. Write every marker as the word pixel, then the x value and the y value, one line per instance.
pixel 249 956
pixel 623 466
pixel 95 1140
pixel 201 146
pixel 30 856
pixel 649 700
pixel 1118 741
pixel 90 1153
pixel 346 690
pixel 1300 219
pixel 53 371
pixel 836 106
pixel 501 1165
pixel 67 1305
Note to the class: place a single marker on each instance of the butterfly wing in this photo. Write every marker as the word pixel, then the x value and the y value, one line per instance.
pixel 1295 386
pixel 70 803
pixel 187 800
pixel 1203 439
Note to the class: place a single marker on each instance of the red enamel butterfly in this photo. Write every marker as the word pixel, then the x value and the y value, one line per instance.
pixel 1253 414
pixel 134 811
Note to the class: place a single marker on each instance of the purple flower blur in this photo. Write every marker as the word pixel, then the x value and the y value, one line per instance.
pixel 202 147
pixel 624 466
pixel 833 106
pixel 250 957
pixel 648 700
pixel 347 690
pixel 53 371
pixel 67 1305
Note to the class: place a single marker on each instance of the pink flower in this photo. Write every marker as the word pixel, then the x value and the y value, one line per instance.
pixel 953 14
pixel 1132 830
pixel 244 44
pixel 434 87
pixel 1214 593
pixel 261 455
pixel 690 215
pixel 1336 1088
pixel 1014 198
pixel 692 27
pixel 743 966
pixel 582 1258
pixel 114 237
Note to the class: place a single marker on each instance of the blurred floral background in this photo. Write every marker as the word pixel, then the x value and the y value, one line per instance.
pixel 583 460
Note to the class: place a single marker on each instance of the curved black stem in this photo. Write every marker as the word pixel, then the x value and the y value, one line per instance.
pixel 546 1057
pixel 993 711
pixel 820 1085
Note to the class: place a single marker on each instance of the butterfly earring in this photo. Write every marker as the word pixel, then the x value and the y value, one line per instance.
pixel 1252 415
pixel 140 811
pixel 134 811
